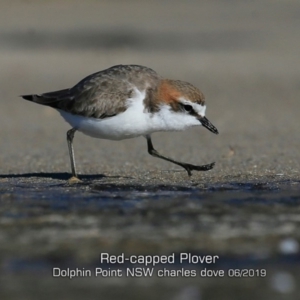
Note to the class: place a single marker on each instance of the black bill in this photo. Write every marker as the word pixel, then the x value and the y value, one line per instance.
pixel 206 123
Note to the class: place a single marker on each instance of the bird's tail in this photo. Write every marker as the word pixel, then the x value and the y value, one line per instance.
pixel 28 97
pixel 49 99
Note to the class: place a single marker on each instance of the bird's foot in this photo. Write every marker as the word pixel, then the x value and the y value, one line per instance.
pixel 189 168
pixel 74 179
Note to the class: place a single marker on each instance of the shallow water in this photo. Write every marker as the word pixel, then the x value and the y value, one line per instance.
pixel 48 223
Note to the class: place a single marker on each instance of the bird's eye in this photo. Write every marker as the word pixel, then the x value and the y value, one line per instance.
pixel 188 108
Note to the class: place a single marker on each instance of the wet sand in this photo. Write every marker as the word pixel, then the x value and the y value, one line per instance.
pixel 244 57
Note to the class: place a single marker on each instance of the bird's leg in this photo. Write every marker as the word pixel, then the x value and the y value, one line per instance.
pixel 187 167
pixel 70 137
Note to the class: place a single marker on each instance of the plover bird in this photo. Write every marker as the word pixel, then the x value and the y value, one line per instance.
pixel 127 101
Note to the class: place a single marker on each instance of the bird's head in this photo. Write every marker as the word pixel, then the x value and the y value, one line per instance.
pixel 188 101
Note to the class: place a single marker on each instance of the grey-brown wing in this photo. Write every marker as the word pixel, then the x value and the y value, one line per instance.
pixel 97 98
pixel 101 94
pixel 105 93
pixel 89 99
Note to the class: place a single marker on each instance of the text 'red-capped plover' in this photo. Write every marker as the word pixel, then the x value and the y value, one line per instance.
pixel 127 101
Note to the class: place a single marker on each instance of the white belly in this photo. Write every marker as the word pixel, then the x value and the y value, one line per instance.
pixel 131 123
pixel 113 128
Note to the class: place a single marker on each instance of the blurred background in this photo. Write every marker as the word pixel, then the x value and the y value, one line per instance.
pixel 244 56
